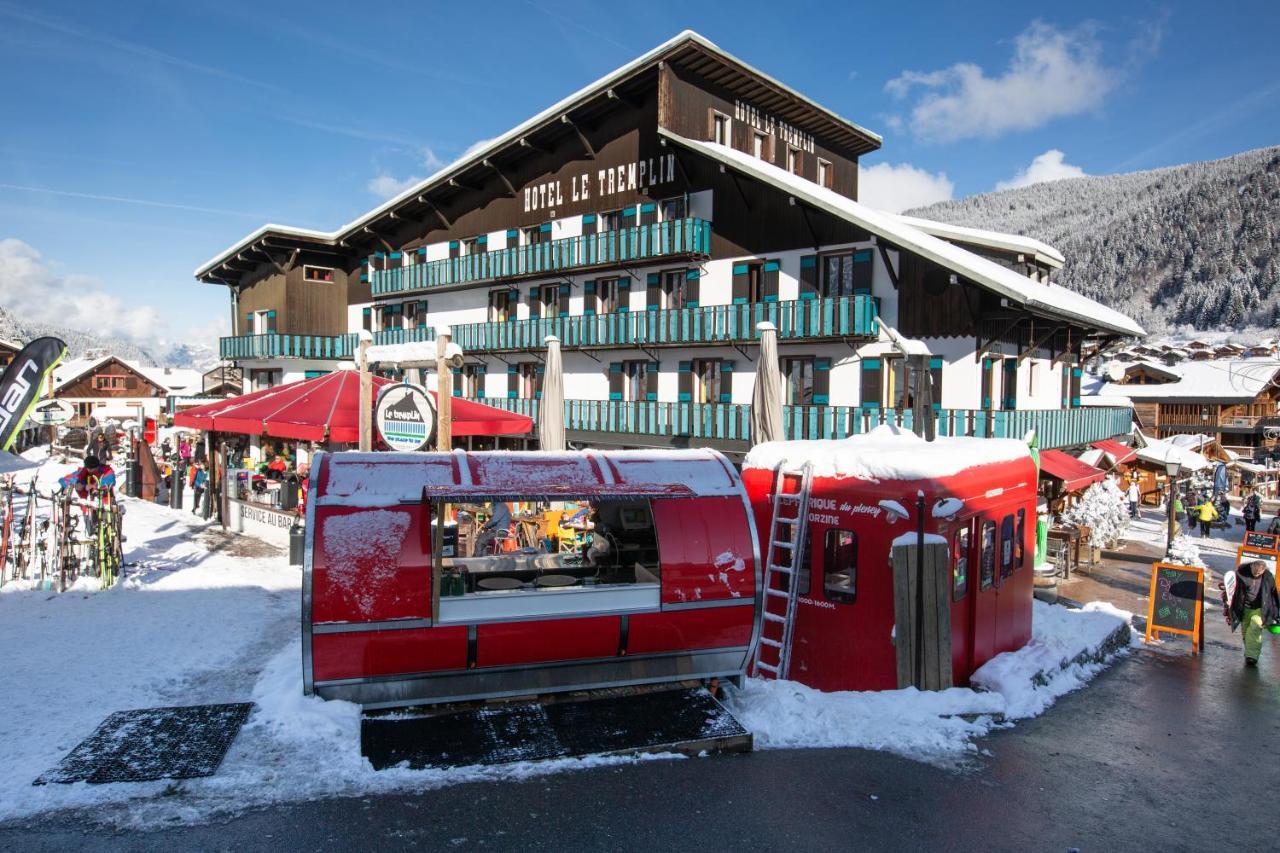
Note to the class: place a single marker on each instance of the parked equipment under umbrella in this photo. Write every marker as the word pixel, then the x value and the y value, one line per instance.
pixel 551 416
pixel 766 396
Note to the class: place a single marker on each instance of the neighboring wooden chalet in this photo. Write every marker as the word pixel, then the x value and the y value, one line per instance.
pixel 110 387
pixel 1233 401
pixel 8 352
pixel 225 380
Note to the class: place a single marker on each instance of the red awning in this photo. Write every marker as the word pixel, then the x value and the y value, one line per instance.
pixel 1074 474
pixel 327 409
pixel 1117 451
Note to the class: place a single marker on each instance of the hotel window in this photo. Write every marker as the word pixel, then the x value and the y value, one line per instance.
pixel 707 378
pixel 536 234
pixel 611 221
pixel 527 380
pixel 824 173
pixel 472 246
pixel 673 208
pixel 317 274
pixel 260 379
pixel 633 380
pixel 500 306
pixel 608 295
pixel 758 145
pixel 549 300
pixel 471 381
pixel 720 128
pixel 674 289
pixel 798 375
pixel 846 274
pixel 794 163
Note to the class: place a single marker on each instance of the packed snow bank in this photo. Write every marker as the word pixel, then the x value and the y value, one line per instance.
pixel 1068 648
pixel 887 453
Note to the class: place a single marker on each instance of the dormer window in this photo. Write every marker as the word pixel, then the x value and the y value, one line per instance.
pixel 758 145
pixel 824 173
pixel 310 273
pixel 720 128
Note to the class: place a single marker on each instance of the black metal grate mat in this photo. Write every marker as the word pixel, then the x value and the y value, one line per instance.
pixel 153 743
pixel 531 731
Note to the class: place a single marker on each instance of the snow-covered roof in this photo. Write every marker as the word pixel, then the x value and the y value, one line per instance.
pixel 1226 380
pixel 1042 252
pixel 887 453
pixel 1119 369
pixel 555 110
pixel 175 380
pixel 1159 451
pixel 1051 299
pixel 5 343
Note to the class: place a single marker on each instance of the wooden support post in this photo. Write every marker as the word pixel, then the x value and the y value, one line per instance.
pixel 366 393
pixel 444 391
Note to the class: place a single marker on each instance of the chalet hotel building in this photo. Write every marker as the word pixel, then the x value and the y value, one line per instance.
pixel 651 221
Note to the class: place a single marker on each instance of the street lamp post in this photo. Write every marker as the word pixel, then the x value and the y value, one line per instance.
pixel 1171 467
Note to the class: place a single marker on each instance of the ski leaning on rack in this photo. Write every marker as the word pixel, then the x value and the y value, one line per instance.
pixel 784 560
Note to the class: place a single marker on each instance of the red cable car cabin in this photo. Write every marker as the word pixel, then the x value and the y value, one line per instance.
pixel 394 615
pixel 979 498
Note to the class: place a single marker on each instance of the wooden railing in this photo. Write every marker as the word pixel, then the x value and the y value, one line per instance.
pixel 732 421
pixel 842 317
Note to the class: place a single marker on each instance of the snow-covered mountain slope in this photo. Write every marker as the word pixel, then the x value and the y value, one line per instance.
pixel 1197 244
pixel 197 356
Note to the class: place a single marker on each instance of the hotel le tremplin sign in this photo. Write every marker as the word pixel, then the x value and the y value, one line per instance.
pixel 601 184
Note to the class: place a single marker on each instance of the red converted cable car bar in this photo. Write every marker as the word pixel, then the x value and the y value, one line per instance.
pixel 393 614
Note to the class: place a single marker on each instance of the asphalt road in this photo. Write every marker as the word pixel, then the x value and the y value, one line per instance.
pixel 1162 752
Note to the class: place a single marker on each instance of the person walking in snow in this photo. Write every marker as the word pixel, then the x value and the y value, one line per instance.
pixel 1250 602
pixel 1252 511
pixel 198 484
pixel 1206 514
pixel 1134 494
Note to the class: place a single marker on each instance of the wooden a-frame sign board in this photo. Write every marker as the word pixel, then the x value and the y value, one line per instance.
pixel 1175 603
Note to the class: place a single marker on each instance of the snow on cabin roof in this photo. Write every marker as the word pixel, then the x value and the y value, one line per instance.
pixel 887 453
pixel 1043 252
pixel 559 108
pixel 383 479
pixel 174 380
pixel 1225 380
pixel 1050 298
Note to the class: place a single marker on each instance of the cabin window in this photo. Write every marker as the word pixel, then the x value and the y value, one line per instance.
pixel 824 173
pixel 260 379
pixel 673 208
pixel 988 555
pixel 1006 547
pixel 84 410
pixel 798 375
pixel 840 566
pixel 794 163
pixel 960 565
pixel 607 551
pixel 674 283
pixel 1020 541
pixel 720 128
pixel 317 273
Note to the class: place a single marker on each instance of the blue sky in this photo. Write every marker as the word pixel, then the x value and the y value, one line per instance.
pixel 142 138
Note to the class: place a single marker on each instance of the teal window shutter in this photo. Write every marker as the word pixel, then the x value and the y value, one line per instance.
pixel 935 370
pixel 457 381
pixel 512 378
pixel 821 381
pixel 684 376
pixel 615 380
pixel 693 281
pixel 588 218
pixel 726 382
pixel 545 228
pixel 651 381
pixel 589 297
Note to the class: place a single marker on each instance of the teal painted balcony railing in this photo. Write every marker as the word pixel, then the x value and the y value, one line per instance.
pixel 842 317
pixel 732 421
pixel 276 345
pixel 609 248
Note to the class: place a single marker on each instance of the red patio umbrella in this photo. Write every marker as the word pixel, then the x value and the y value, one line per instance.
pixel 327 409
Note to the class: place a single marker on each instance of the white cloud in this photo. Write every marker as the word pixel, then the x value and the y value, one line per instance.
pixel 1049 166
pixel 32 289
pixel 901 186
pixel 1053 73
pixel 475 146
pixel 385 186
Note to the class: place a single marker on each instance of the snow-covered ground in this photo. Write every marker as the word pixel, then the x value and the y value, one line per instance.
pixel 200 617
pixel 1217 550
pixel 939 725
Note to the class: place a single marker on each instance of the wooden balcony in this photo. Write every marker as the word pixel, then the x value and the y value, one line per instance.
pixel 276 345
pixel 731 422
pixel 690 237
pixel 802 319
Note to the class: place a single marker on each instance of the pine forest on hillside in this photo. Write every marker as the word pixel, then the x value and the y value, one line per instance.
pixel 1195 245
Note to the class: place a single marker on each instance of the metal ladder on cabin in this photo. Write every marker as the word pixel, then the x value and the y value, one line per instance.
pixel 784 558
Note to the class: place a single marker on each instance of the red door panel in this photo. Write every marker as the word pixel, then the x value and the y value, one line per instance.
pixel 506 644
pixel 706 549
pixel 705 628
pixel 361 654
pixel 370 565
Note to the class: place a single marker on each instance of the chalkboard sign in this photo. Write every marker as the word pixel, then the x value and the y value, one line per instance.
pixel 1176 603
pixel 1245 554
pixel 1258 539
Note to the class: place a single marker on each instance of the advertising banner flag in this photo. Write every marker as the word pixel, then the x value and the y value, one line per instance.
pixel 20 386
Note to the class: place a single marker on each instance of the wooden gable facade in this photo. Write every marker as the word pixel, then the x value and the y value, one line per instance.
pixel 109 378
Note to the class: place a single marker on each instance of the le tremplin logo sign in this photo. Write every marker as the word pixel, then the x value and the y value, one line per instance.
pixel 405 417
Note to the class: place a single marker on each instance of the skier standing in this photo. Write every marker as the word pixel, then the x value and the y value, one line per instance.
pixel 1249 599
pixel 1134 494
